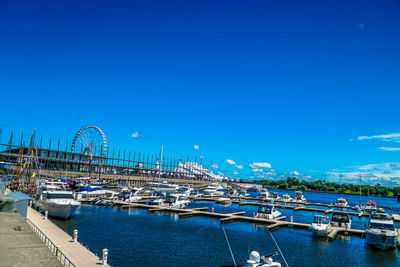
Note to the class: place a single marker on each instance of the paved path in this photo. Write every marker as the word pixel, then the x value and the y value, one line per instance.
pixel 77 253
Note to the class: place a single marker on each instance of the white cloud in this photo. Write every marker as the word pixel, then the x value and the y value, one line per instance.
pixel 387 174
pixel 294 173
pixel 229 161
pixel 135 134
pixel 235 172
pixel 239 167
pixel 391 137
pixel 196 147
pixel 389 148
pixel 256 165
pixel 215 166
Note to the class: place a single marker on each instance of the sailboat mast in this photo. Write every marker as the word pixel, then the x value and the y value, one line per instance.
pixel 360 188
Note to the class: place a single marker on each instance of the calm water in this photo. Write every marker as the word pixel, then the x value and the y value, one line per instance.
pixel 139 238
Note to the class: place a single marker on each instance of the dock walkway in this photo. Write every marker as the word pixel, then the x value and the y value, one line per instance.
pixel 76 252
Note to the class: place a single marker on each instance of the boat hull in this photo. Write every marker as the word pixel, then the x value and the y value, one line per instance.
pixel 59 211
pixel 381 241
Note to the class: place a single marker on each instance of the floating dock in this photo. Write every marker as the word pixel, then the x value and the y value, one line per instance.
pixel 74 251
pixel 271 224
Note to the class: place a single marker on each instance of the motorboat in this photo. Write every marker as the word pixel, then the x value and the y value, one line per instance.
pixel 370 207
pixel 224 200
pixel 214 189
pixel 264 193
pixel 299 197
pixel 381 232
pixel 57 201
pixel 286 198
pixel 127 195
pixel 274 196
pixel 341 219
pixel 341 203
pixel 177 201
pixel 155 202
pixel 255 260
pixel 162 187
pixel 196 193
pixel 321 226
pixel 267 212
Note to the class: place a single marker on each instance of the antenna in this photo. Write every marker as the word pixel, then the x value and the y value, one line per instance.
pixel 229 246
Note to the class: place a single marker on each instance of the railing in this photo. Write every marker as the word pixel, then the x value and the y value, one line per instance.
pixel 54 249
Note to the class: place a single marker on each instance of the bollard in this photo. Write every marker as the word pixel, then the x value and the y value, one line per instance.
pixel 75 236
pixel 291 218
pixel 46 214
pixel 105 255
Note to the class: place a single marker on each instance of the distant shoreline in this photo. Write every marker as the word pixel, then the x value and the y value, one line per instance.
pixel 330 192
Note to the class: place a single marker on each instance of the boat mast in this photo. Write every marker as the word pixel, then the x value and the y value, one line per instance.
pixel 159 173
pixel 360 189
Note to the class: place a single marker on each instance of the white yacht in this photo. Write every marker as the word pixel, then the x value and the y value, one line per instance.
pixel 178 201
pixel 224 200
pixel 321 226
pixel 127 195
pixel 381 231
pixel 264 193
pixel 267 212
pixel 298 197
pixel 341 219
pixel 57 201
pixel 163 187
pixel 214 189
pixel 286 198
pixel 255 260
pixel 341 203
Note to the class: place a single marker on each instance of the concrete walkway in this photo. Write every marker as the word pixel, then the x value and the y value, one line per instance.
pixel 78 254
pixel 20 246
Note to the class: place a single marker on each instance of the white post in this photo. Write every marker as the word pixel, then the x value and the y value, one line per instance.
pixel 75 235
pixel 46 214
pixel 105 256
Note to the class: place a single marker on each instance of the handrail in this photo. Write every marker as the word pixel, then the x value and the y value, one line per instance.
pixel 54 249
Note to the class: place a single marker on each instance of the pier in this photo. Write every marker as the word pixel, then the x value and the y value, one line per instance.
pixel 271 224
pixel 74 251
pixel 20 246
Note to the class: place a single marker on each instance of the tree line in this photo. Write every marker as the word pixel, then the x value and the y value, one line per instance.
pixel 325 186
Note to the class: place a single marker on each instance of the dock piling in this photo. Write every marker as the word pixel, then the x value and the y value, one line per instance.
pixel 105 256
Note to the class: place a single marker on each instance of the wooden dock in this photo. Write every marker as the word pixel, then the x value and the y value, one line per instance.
pixel 76 252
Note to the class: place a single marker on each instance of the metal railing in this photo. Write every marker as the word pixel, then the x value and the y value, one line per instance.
pixel 54 249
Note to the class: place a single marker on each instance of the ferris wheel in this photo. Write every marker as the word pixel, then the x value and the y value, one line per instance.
pixel 90 141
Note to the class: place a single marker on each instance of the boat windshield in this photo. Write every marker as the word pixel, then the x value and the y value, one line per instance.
pixel 59 196
pixel 170 199
pixel 382 226
pixel 266 210
pixel 321 220
pixel 340 218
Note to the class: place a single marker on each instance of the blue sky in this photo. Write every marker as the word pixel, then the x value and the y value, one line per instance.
pixel 290 83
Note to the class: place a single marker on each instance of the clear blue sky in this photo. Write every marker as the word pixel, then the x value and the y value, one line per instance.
pixel 291 83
